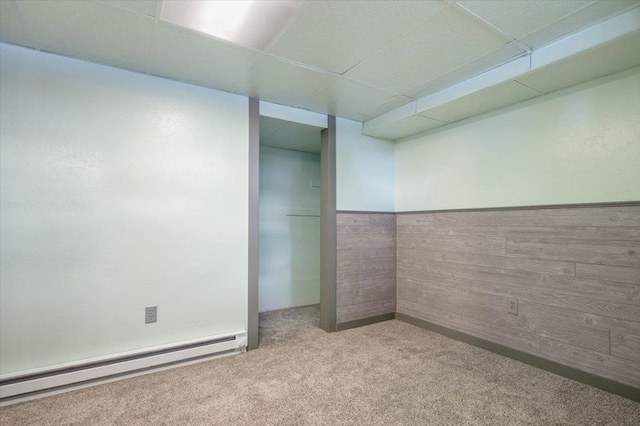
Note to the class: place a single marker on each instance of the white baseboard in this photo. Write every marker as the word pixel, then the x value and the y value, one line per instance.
pixel 24 386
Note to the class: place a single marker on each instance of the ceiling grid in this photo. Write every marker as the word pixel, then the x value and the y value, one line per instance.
pixel 375 62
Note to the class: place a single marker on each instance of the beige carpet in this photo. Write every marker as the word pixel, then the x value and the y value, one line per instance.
pixel 386 373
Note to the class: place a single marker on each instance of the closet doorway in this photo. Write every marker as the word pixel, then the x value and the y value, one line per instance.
pixel 291 226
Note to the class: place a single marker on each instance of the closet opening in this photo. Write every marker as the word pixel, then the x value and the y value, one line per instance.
pixel 289 229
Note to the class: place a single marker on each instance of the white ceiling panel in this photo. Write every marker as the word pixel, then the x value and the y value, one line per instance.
pixel 519 18
pixel 587 16
pixel 269 125
pixel 91 30
pixel 360 117
pixel 489 99
pixel 281 82
pixel 148 7
pixel 294 136
pixel 406 127
pixel 479 65
pixel 346 97
pixel 387 106
pixel 618 55
pixel 186 55
pixel 337 35
pixel 450 39
pixel 13 28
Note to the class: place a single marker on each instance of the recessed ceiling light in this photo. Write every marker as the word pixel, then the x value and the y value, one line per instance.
pixel 249 23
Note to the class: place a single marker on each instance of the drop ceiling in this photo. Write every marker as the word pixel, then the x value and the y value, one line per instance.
pixel 353 59
pixel 276 133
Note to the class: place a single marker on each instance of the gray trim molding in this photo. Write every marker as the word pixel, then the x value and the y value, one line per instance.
pixel 608 385
pixel 534 207
pixel 328 237
pixel 365 321
pixel 363 212
pixel 254 223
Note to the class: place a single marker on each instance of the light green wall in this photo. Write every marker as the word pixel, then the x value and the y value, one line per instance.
pixel 364 170
pixel 289 245
pixel 119 191
pixel 580 145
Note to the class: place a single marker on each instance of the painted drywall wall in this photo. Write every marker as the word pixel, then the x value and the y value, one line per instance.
pixel 289 242
pixel 364 170
pixel 580 145
pixel 119 191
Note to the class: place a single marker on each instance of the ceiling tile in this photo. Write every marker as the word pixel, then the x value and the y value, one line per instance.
pixel 148 7
pixel 387 106
pixel 91 30
pixel 337 35
pixel 450 39
pixel 360 117
pixel 13 28
pixel 618 55
pixel 403 128
pixel 489 99
pixel 269 125
pixel 345 97
pixel 491 60
pixel 189 56
pixel 519 18
pixel 295 136
pixel 585 17
pixel 282 82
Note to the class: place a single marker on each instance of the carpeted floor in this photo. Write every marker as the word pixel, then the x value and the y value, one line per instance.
pixel 285 324
pixel 389 373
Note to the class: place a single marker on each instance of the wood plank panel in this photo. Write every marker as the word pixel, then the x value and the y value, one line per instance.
pixel 363 230
pixel 599 216
pixel 359 296
pixel 352 219
pixel 366 242
pixel 610 233
pixel 365 310
pixel 421 219
pixel 386 220
pixel 631 233
pixel 620 292
pixel 363 275
pixel 366 253
pixel 487 231
pixel 573 272
pixel 610 366
pixel 510 337
pixel 481 273
pixel 376 263
pixel 556 324
pixel 471 304
pixel 532 265
pixel 561 300
pixel 410 277
pixel 608 273
pixel 625 346
pixel 466 244
pixel 615 253
pixel 373 283
pixel 366 265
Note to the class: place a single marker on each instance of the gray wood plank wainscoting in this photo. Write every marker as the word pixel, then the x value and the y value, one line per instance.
pixel 366 268
pixel 557 286
pixel 559 283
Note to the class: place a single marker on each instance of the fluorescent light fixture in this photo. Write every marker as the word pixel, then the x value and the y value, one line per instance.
pixel 249 23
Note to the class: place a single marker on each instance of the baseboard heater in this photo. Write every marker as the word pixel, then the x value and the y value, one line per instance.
pixel 16 385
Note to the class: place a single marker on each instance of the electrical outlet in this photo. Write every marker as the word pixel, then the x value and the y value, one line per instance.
pixel 513 307
pixel 150 314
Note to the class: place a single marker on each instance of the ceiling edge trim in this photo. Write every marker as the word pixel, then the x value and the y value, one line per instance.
pixel 564 48
pixel 296 115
